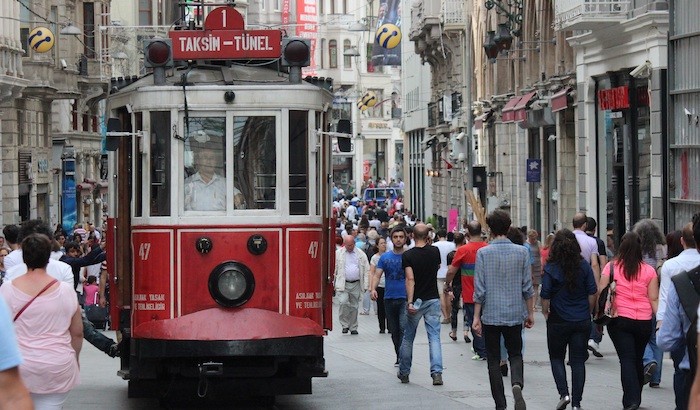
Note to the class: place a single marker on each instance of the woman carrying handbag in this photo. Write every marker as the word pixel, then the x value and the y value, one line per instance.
pixel 636 300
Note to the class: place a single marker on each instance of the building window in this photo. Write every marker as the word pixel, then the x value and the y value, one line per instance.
pixel 145 11
pixel 347 60
pixel 322 55
pixel 277 5
pixel 89 29
pixel 262 5
pixel 332 6
pixel 333 54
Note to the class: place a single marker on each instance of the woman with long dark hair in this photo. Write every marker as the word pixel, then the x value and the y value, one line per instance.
pixel 568 296
pixel 636 300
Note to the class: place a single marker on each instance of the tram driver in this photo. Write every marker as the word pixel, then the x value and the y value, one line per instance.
pixel 205 190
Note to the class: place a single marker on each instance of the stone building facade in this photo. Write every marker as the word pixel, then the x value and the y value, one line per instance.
pixel 57 113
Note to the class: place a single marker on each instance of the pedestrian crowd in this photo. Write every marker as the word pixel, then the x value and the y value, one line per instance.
pixel 48 280
pixel 644 292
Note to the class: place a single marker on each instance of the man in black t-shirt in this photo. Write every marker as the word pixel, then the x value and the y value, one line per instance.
pixel 421 264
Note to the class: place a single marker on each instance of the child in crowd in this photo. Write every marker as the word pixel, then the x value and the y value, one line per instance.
pixel 90 291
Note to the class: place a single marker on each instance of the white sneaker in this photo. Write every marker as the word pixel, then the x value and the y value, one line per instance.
pixel 594 348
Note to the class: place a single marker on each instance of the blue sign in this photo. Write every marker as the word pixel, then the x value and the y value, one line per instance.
pixel 69 205
pixel 534 170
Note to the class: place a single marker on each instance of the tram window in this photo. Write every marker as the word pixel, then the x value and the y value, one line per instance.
pixel 298 163
pixel 160 163
pixel 205 165
pixel 137 163
pixel 255 161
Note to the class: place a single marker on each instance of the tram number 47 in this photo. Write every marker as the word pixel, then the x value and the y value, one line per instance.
pixel 144 250
pixel 313 249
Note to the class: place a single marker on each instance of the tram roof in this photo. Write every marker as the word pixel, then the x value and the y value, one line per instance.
pixel 204 74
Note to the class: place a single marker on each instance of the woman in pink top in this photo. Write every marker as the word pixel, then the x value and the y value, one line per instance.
pixel 636 300
pixel 49 327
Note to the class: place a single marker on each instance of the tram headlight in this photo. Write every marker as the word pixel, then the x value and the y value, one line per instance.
pixel 231 284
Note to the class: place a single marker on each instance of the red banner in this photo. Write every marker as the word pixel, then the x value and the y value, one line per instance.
pixel 307 20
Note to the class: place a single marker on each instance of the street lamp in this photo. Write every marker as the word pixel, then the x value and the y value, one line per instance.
pixel 351 52
pixel 71 30
pixel 502 38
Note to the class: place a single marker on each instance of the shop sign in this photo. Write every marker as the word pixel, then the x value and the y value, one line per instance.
pixel 614 99
pixel 534 170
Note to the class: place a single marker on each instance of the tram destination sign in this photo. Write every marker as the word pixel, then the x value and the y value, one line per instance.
pixel 226 44
pixel 224 37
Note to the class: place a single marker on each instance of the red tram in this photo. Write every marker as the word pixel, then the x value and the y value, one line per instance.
pixel 220 225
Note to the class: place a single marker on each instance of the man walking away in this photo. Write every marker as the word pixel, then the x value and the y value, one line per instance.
pixel 445 247
pixel 421 264
pixel 351 279
pixel 504 300
pixel 596 335
pixel 464 261
pixel 675 317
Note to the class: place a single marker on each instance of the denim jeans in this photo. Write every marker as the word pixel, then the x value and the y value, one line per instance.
pixel 575 336
pixel 681 380
pixel 396 321
pixel 381 312
pixel 430 312
pixel 652 353
pixel 478 341
pixel 596 333
pixel 367 302
pixel 630 337
pixel 514 344
pixel 95 338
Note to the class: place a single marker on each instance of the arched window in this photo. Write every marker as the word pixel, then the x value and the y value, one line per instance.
pixel 347 60
pixel 333 54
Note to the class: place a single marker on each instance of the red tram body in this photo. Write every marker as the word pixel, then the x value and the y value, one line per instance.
pixel 230 295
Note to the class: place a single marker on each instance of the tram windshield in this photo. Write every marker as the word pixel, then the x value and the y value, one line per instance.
pixel 248 157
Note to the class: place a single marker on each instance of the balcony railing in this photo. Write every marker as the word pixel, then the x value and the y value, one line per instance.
pixel 453 13
pixel 588 14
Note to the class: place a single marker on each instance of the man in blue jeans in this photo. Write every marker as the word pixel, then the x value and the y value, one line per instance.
pixel 390 265
pixel 421 264
pixel 504 300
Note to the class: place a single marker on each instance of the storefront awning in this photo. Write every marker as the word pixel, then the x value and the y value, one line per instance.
pixel 507 114
pixel 560 100
pixel 520 109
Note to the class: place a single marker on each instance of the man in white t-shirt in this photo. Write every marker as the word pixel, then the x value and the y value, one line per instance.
pixel 445 248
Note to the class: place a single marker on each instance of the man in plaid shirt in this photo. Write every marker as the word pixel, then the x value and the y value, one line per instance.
pixel 503 303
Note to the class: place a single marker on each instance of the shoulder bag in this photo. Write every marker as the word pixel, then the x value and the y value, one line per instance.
pixel 33 299
pixel 606 300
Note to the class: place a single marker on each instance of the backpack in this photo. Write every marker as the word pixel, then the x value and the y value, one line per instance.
pixel 687 286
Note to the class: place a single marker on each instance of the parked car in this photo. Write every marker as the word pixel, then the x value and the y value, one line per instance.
pixel 380 195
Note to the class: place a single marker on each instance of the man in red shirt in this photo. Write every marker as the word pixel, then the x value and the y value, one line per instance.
pixel 464 261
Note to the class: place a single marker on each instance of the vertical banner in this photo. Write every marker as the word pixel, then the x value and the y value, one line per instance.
pixel 386 48
pixel 307 20
pixel 69 209
pixel 533 172
pixel 453 220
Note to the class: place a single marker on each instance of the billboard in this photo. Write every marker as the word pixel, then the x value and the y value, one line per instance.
pixel 389 13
